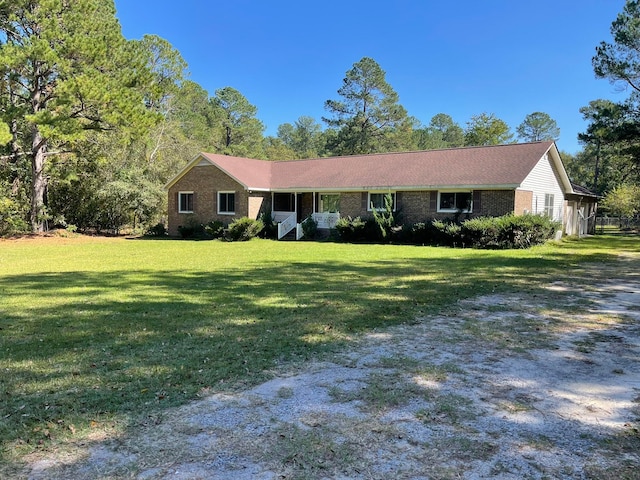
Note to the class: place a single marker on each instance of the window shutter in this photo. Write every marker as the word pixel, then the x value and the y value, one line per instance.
pixel 477 202
pixel 398 205
pixel 433 201
pixel 364 205
pixel 193 207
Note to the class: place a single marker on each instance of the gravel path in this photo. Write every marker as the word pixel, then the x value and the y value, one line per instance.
pixel 502 386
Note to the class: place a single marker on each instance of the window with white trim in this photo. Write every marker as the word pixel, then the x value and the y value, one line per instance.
pixel 329 203
pixel 185 202
pixel 548 204
pixel 455 202
pixel 226 203
pixel 376 201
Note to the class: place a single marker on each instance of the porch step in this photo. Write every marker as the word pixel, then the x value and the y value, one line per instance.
pixel 289 237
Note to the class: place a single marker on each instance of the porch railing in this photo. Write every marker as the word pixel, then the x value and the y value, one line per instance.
pixel 326 220
pixel 286 225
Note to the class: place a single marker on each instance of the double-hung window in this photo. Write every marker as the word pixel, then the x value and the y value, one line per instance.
pixel 548 204
pixel 185 202
pixel 226 203
pixel 377 201
pixel 454 202
pixel 329 203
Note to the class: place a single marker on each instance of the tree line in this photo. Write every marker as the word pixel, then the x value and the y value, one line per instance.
pixel 92 125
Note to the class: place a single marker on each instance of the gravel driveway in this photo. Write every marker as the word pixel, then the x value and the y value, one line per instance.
pixel 502 386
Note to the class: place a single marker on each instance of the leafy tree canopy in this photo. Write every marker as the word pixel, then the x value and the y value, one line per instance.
pixel 487 129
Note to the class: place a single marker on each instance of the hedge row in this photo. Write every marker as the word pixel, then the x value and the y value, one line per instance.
pixel 242 229
pixel 506 232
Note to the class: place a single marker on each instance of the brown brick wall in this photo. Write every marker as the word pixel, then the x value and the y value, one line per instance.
pixel 418 206
pixel 495 203
pixel 206 182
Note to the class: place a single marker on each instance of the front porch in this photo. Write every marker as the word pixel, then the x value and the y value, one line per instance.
pixel 290 209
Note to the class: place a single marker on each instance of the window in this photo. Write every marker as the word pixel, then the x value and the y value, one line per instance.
pixel 548 204
pixel 454 202
pixel 377 202
pixel 284 202
pixel 185 202
pixel 329 203
pixel 227 203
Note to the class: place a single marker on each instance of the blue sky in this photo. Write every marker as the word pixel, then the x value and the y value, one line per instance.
pixel 462 58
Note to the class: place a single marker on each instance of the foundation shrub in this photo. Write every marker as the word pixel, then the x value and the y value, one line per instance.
pixel 309 228
pixel 351 229
pixel 214 229
pixel 244 229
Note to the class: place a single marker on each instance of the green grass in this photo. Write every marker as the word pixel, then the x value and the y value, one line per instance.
pixel 97 336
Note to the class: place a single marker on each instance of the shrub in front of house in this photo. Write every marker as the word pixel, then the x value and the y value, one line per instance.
pixel 192 228
pixel 524 231
pixel 508 231
pixel 158 230
pixel 309 228
pixel 214 229
pixel 270 229
pixel 243 229
pixel 351 229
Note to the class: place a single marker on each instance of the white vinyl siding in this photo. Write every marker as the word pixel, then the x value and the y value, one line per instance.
pixel 544 182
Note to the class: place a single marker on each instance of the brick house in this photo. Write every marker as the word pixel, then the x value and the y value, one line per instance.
pixel 471 181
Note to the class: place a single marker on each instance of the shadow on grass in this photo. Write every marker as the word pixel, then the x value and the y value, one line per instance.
pixel 96 345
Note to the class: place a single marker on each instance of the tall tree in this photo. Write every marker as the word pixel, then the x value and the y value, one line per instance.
pixel 487 129
pixel 442 132
pixel 65 69
pixel 303 137
pixel 241 131
pixel 538 126
pixel 600 139
pixel 620 61
pixel 368 117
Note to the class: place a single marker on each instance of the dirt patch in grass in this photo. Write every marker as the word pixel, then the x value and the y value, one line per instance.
pixel 502 386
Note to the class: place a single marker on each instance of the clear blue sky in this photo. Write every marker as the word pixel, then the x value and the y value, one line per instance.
pixel 462 58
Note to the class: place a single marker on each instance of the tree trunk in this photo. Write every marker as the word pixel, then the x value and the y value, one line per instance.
pixel 38 181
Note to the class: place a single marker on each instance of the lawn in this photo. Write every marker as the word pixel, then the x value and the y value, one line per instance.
pixel 99 335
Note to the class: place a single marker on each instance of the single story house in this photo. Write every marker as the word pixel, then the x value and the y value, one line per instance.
pixel 471 181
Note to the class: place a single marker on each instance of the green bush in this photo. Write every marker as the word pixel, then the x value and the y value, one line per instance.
pixel 214 229
pixel 192 228
pixel 309 227
pixel 270 229
pixel 158 230
pixel 11 219
pixel 243 229
pixel 351 229
pixel 509 231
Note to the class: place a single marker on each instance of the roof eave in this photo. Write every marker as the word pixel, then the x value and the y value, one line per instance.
pixel 396 188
